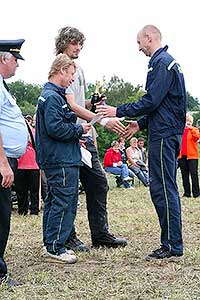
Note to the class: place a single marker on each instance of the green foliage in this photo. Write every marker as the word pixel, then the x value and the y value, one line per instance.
pixel 26 95
pixel 192 103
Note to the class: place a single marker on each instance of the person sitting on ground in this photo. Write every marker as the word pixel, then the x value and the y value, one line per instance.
pixel 136 164
pixel 113 164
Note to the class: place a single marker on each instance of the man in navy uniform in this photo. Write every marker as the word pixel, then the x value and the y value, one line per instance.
pixel 13 142
pixel 163 109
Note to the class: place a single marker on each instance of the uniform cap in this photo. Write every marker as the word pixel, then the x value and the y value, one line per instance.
pixel 12 46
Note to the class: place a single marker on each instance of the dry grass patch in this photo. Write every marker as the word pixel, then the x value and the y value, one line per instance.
pixel 114 274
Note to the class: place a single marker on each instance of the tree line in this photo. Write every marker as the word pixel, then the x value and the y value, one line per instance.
pixel 117 92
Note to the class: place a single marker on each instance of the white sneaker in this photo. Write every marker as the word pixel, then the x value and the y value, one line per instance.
pixel 70 252
pixel 127 178
pixel 64 258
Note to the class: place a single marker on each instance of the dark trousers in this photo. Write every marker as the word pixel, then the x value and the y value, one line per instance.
pixel 25 181
pixel 163 155
pixel 96 187
pixel 5 213
pixel 60 206
pixel 189 167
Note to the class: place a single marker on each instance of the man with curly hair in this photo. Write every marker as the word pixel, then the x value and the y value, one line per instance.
pixel 70 42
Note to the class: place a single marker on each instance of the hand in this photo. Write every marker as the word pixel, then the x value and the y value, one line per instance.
pixel 7 176
pixel 86 127
pixel 119 163
pixel 115 125
pixel 106 110
pixel 82 143
pixel 131 129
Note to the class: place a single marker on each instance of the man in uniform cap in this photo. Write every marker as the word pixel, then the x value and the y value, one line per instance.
pixel 13 142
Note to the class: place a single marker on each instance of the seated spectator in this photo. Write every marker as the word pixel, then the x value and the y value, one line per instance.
pixel 188 158
pixel 140 145
pixel 27 179
pixel 135 162
pixel 114 165
pixel 122 150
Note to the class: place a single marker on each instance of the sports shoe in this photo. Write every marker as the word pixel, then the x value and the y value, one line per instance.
pixel 127 178
pixel 63 258
pixel 162 253
pixel 73 243
pixel 70 252
pixel 108 240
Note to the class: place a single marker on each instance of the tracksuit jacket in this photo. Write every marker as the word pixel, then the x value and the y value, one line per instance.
pixel 163 106
pixel 57 134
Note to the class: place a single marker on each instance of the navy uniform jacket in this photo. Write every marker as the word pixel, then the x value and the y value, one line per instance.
pixel 163 107
pixel 57 135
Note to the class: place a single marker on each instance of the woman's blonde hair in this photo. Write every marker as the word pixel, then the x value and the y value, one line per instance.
pixel 189 117
pixel 61 61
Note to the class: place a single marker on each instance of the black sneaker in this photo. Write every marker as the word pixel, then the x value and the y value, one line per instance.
pixel 73 243
pixel 108 240
pixel 162 253
pixel 119 181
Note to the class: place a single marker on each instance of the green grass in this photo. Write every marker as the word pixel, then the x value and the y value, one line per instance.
pixel 114 274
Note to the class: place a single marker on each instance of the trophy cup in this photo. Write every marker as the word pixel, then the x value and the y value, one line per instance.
pixel 98 97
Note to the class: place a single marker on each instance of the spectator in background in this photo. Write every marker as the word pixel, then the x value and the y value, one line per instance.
pixel 27 177
pixel 43 180
pixel 188 158
pixel 140 145
pixel 136 164
pixel 113 164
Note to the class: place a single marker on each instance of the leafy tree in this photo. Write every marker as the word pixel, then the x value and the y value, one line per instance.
pixel 192 103
pixel 26 95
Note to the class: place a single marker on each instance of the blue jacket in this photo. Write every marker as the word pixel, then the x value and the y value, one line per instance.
pixel 163 107
pixel 57 135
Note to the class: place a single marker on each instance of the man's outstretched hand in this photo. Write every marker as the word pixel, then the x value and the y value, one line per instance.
pixel 106 110
pixel 131 129
pixel 115 125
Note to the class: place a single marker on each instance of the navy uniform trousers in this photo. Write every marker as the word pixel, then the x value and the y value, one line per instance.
pixel 5 213
pixel 163 155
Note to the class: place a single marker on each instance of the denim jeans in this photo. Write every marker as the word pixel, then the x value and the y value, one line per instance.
pixel 123 171
pixel 60 207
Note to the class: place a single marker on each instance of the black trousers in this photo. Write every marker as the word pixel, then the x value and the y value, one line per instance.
pixel 25 181
pixel 5 213
pixel 95 184
pixel 189 167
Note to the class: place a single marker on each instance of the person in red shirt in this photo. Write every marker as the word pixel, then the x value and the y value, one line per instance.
pixel 188 158
pixel 113 164
pixel 27 179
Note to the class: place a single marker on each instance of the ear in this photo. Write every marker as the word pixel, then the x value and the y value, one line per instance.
pixel 3 59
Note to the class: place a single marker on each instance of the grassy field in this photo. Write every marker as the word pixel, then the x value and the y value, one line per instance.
pixel 113 274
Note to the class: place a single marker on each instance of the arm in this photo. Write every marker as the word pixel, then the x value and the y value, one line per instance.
pixel 156 92
pixel 113 124
pixel 5 169
pixel 195 133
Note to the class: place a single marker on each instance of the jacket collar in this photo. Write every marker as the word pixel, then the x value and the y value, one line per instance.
pixel 55 87
pixel 157 53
